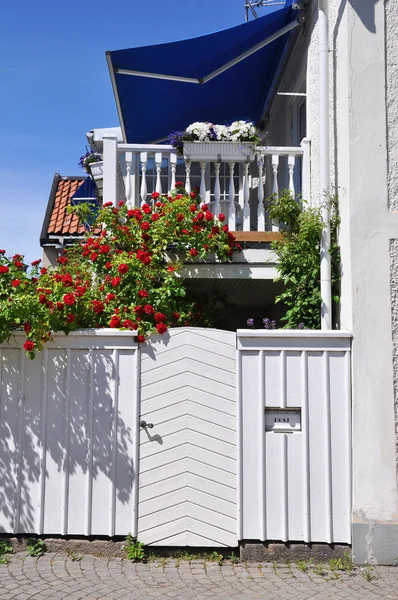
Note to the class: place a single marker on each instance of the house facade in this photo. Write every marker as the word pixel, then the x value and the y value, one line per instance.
pixel 363 150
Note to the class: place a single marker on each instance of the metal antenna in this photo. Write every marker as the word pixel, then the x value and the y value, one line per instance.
pixel 252 4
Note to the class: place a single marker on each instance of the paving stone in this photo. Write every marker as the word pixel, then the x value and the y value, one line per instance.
pixel 56 577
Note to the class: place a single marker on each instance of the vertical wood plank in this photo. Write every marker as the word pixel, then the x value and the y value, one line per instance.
pixel 328 449
pixel 21 424
pixel 67 440
pixel 115 410
pixel 306 444
pixel 43 439
pixel 90 432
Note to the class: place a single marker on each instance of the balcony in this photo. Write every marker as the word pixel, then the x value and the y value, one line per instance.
pixel 238 189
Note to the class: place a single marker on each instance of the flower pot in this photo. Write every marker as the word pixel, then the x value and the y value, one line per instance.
pixel 224 151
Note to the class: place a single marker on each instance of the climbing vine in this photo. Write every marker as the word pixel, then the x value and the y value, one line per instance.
pixel 298 253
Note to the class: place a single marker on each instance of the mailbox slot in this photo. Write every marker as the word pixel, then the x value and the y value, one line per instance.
pixel 283 420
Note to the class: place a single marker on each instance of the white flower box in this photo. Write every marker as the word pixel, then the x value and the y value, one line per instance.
pixel 97 170
pixel 224 151
pixel 97 173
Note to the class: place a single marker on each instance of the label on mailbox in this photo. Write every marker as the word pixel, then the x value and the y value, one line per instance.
pixel 282 420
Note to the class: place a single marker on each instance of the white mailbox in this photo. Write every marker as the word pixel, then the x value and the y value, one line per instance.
pixel 283 420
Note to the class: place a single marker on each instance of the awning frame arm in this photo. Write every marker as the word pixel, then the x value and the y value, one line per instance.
pixel 218 71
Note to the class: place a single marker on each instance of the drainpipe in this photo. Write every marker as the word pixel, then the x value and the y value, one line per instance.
pixel 324 159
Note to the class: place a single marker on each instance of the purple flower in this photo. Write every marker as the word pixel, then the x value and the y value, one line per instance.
pixel 176 139
pixel 268 324
pixel 250 322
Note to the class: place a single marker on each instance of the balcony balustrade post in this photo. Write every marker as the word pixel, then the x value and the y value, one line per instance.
pixel 110 169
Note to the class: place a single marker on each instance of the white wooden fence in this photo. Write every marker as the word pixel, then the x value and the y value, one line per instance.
pixel 295 478
pixel 68 428
pixel 252 443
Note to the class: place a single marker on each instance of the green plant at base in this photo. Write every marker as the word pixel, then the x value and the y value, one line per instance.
pixel 5 547
pixel 303 565
pixel 134 548
pixel 298 255
pixel 319 569
pixel 36 547
pixel 342 564
pixel 367 572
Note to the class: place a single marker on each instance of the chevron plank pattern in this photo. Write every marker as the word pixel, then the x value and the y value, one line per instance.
pixel 187 465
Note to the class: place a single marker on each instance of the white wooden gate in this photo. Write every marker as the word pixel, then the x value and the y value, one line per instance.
pixel 187 465
pixel 68 428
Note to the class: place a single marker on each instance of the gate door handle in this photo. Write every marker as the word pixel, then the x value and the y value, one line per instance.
pixel 146 425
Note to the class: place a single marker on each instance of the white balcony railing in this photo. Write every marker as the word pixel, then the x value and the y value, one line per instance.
pixel 237 189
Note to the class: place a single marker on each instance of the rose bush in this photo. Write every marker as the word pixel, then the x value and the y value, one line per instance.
pixel 119 276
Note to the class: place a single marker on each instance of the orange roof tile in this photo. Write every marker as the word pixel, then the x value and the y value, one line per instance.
pixel 60 222
pixel 57 222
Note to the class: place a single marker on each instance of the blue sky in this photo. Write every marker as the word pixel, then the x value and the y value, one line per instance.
pixel 55 87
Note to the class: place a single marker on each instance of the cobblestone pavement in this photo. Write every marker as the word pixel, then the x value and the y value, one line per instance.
pixel 56 576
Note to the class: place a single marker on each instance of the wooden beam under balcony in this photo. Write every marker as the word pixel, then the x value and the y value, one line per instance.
pixel 257 236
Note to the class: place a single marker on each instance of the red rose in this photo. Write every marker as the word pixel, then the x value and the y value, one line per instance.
pixel 209 216
pixel 27 327
pixel 138 309
pixel 160 317
pixel 176 316
pixel 221 217
pixel 60 305
pixel 110 297
pixel 215 230
pixel 130 213
pixel 121 203
pixel 155 217
pixel 70 318
pixel 123 269
pixel 192 208
pixel 36 262
pixel 205 246
pixel 145 225
pixel 179 184
pixel 143 294
pixel 69 299
pixel 225 229
pixel 33 280
pixel 108 265
pixel 90 240
pixel 42 299
pixel 15 282
pixel 204 207
pixel 145 237
pixel 170 269
pixel 200 216
pixel 18 264
pixel 161 328
pixel 146 209
pixel 94 256
pixel 4 269
pixel 115 281
pixel 62 260
pixel 149 309
pixel 141 338
pixel 155 195
pixel 104 249
pixel 192 195
pixel 98 307
pixel 158 204
pixel 128 324
pixel 184 231
pixel 107 204
pixel 193 252
pixel 80 290
pixel 114 323
pixel 2 251
pixel 43 271
pixel 180 217
pixel 28 346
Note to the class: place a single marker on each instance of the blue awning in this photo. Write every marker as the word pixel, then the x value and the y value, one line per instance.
pixel 220 77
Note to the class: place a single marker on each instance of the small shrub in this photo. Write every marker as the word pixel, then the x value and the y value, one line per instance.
pixel 36 547
pixel 5 547
pixel 134 548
